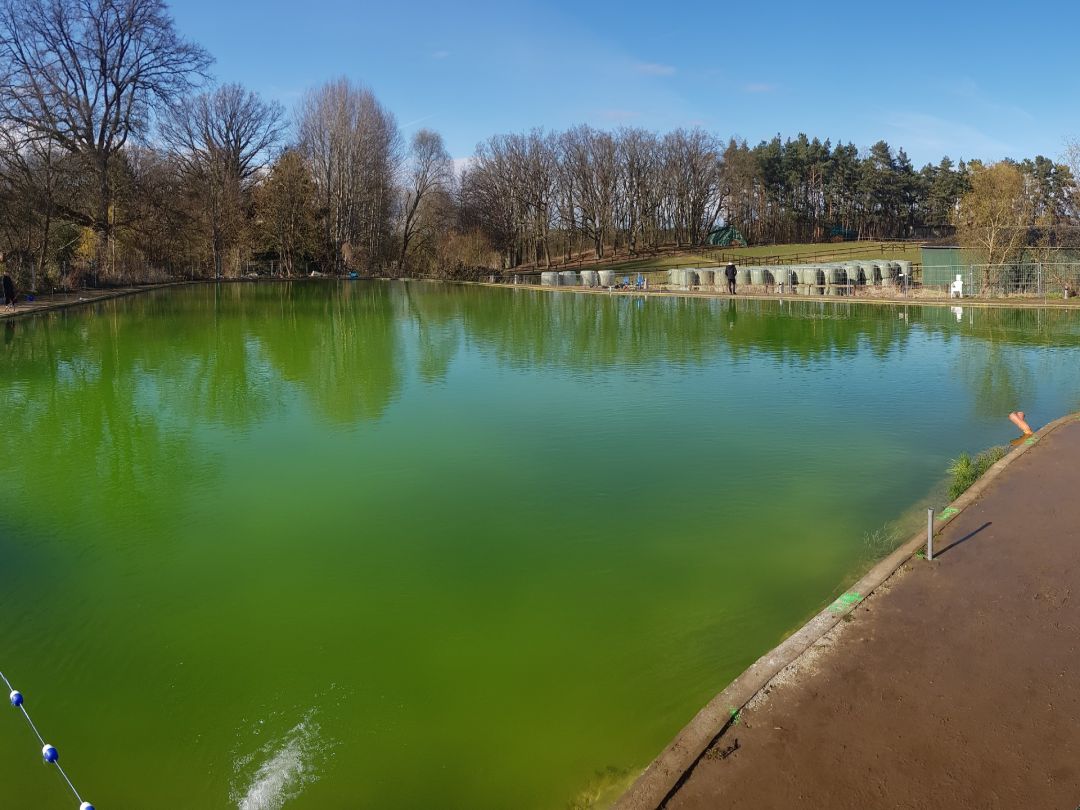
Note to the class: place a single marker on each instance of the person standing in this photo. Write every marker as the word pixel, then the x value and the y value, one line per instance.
pixel 729 274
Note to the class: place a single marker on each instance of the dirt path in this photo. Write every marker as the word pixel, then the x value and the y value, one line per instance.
pixel 956 684
pixel 45 303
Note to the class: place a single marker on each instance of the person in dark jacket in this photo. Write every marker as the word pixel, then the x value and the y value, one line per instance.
pixel 9 291
pixel 729 274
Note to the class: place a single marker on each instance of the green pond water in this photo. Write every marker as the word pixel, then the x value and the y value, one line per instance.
pixel 384 545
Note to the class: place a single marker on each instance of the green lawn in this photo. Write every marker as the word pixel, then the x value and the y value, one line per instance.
pixel 687 259
pixel 836 251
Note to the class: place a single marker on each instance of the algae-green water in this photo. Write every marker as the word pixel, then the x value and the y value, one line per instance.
pixel 387 545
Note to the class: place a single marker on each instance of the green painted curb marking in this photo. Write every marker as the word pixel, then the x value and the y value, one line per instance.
pixel 846 600
pixel 948 512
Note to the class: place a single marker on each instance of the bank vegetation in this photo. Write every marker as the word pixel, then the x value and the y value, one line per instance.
pixel 121 160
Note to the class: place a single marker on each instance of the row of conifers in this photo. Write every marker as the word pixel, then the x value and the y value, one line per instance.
pixel 813 279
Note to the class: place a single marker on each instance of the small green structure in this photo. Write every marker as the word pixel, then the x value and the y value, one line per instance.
pixel 941 264
pixel 726 236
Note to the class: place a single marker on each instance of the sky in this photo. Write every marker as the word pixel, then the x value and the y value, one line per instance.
pixel 965 80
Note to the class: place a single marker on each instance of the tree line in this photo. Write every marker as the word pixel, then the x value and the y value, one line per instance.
pixel 121 160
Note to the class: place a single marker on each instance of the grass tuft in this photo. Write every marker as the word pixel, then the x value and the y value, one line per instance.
pixel 965 470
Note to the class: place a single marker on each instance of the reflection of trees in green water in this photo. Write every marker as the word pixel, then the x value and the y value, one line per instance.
pixel 1019 327
pixel 529 327
pixel 120 385
pixel 121 388
pixel 74 404
pixel 339 343
pixel 807 330
pixel 437 320
pixel 991 366
pixel 336 343
pixel 526 327
pixel 996 376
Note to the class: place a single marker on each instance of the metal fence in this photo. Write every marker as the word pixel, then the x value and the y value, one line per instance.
pixel 1047 280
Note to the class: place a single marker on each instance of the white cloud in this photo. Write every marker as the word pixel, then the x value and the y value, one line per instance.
pixel 654 69
pixel 922 131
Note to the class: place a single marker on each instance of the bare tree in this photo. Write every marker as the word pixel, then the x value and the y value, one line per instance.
pixel 351 145
pixel 29 180
pixel 540 170
pixel 489 199
pixel 640 159
pixel 592 165
pixel 222 140
pixel 693 172
pixel 85 73
pixel 429 177
pixel 992 218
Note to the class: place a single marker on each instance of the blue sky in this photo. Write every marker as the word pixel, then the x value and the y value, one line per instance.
pixel 962 79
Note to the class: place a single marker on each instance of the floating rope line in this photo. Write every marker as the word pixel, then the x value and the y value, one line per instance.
pixel 48 752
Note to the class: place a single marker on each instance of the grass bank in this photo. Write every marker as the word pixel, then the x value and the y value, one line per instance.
pixel 837 251
pixel 965 470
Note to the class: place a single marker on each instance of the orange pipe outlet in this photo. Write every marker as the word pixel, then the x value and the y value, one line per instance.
pixel 1017 418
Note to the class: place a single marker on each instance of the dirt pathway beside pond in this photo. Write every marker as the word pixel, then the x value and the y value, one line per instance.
pixel 955 684
pixel 44 303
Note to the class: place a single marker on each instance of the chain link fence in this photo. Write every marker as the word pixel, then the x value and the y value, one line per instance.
pixel 1047 280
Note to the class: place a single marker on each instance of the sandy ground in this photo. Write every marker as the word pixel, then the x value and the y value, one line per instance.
pixel 956 684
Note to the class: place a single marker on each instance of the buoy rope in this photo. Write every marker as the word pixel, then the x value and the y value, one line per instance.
pixel 48 752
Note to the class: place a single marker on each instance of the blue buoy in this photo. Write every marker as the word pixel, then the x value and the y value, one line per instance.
pixel 16 698
pixel 50 754
pixel 86 806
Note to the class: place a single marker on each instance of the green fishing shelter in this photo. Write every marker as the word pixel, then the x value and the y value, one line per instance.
pixel 726 236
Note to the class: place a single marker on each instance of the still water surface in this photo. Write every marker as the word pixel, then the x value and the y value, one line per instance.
pixel 385 545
